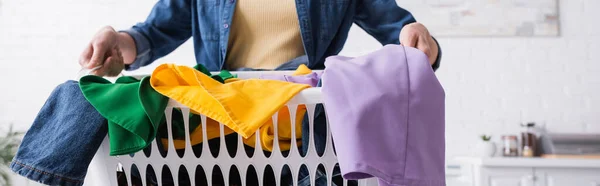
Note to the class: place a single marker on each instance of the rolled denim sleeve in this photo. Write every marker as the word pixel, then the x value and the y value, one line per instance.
pixel 384 19
pixel 143 50
pixel 166 28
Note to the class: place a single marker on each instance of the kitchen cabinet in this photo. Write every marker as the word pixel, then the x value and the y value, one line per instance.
pixel 507 177
pixel 499 171
pixel 572 176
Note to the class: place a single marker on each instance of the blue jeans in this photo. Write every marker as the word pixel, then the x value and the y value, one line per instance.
pixel 62 140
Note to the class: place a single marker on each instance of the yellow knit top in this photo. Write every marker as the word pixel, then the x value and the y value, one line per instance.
pixel 264 34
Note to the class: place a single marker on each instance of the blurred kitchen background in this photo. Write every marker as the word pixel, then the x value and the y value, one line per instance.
pixel 522 78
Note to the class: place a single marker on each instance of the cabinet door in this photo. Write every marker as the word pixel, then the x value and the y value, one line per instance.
pixel 567 177
pixel 507 177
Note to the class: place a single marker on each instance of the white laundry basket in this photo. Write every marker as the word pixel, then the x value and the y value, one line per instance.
pixel 103 168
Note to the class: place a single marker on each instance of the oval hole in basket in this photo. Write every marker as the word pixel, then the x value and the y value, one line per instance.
pixel 283 132
pixel 251 176
pixel 183 176
pixel 151 176
pixel 286 175
pixel 166 176
pixel 135 175
pixel 180 152
pixel 303 174
pixel 200 176
pixel 321 175
pixel 249 151
pixel 214 145
pixel 231 141
pixel 337 177
pixel 320 130
pixel 178 131
pixel 217 176
pixel 197 150
pixel 234 176
pixel 161 139
pixel 284 128
pixel 269 177
pixel 261 142
pixel 267 153
pixel 148 151
pixel 121 177
pixel 301 120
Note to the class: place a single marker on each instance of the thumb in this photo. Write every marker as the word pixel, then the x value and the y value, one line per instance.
pixel 104 69
pixel 86 55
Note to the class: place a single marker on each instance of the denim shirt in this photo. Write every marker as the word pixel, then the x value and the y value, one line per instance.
pixel 324 26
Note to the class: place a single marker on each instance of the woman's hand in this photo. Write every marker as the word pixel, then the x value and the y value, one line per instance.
pixel 103 51
pixel 110 49
pixel 417 36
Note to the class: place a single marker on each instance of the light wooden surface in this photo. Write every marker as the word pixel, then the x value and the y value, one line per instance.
pixel 557 156
pixel 530 162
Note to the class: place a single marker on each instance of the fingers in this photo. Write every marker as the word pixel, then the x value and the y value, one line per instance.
pixel 417 41
pixel 102 55
pixel 429 47
pixel 417 36
pixel 99 51
pixel 112 66
pixel 116 64
pixel 102 70
pixel 424 45
pixel 409 35
pixel 409 39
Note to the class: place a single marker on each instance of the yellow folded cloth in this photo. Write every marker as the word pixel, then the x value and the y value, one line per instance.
pixel 243 106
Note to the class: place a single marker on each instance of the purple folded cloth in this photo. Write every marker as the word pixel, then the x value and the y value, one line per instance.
pixel 310 79
pixel 386 112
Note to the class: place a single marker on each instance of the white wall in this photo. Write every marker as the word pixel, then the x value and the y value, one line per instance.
pixel 492 84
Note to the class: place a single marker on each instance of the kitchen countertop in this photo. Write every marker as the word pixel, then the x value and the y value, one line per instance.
pixel 529 162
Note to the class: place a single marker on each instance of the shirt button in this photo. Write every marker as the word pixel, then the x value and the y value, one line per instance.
pixel 225 25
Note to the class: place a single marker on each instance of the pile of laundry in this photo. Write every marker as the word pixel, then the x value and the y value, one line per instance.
pixel 135 108
pixel 385 110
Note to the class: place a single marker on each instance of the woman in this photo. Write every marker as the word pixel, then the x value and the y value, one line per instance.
pixel 227 34
pixel 259 34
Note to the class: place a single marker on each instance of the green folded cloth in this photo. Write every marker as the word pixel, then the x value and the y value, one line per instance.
pixel 134 110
